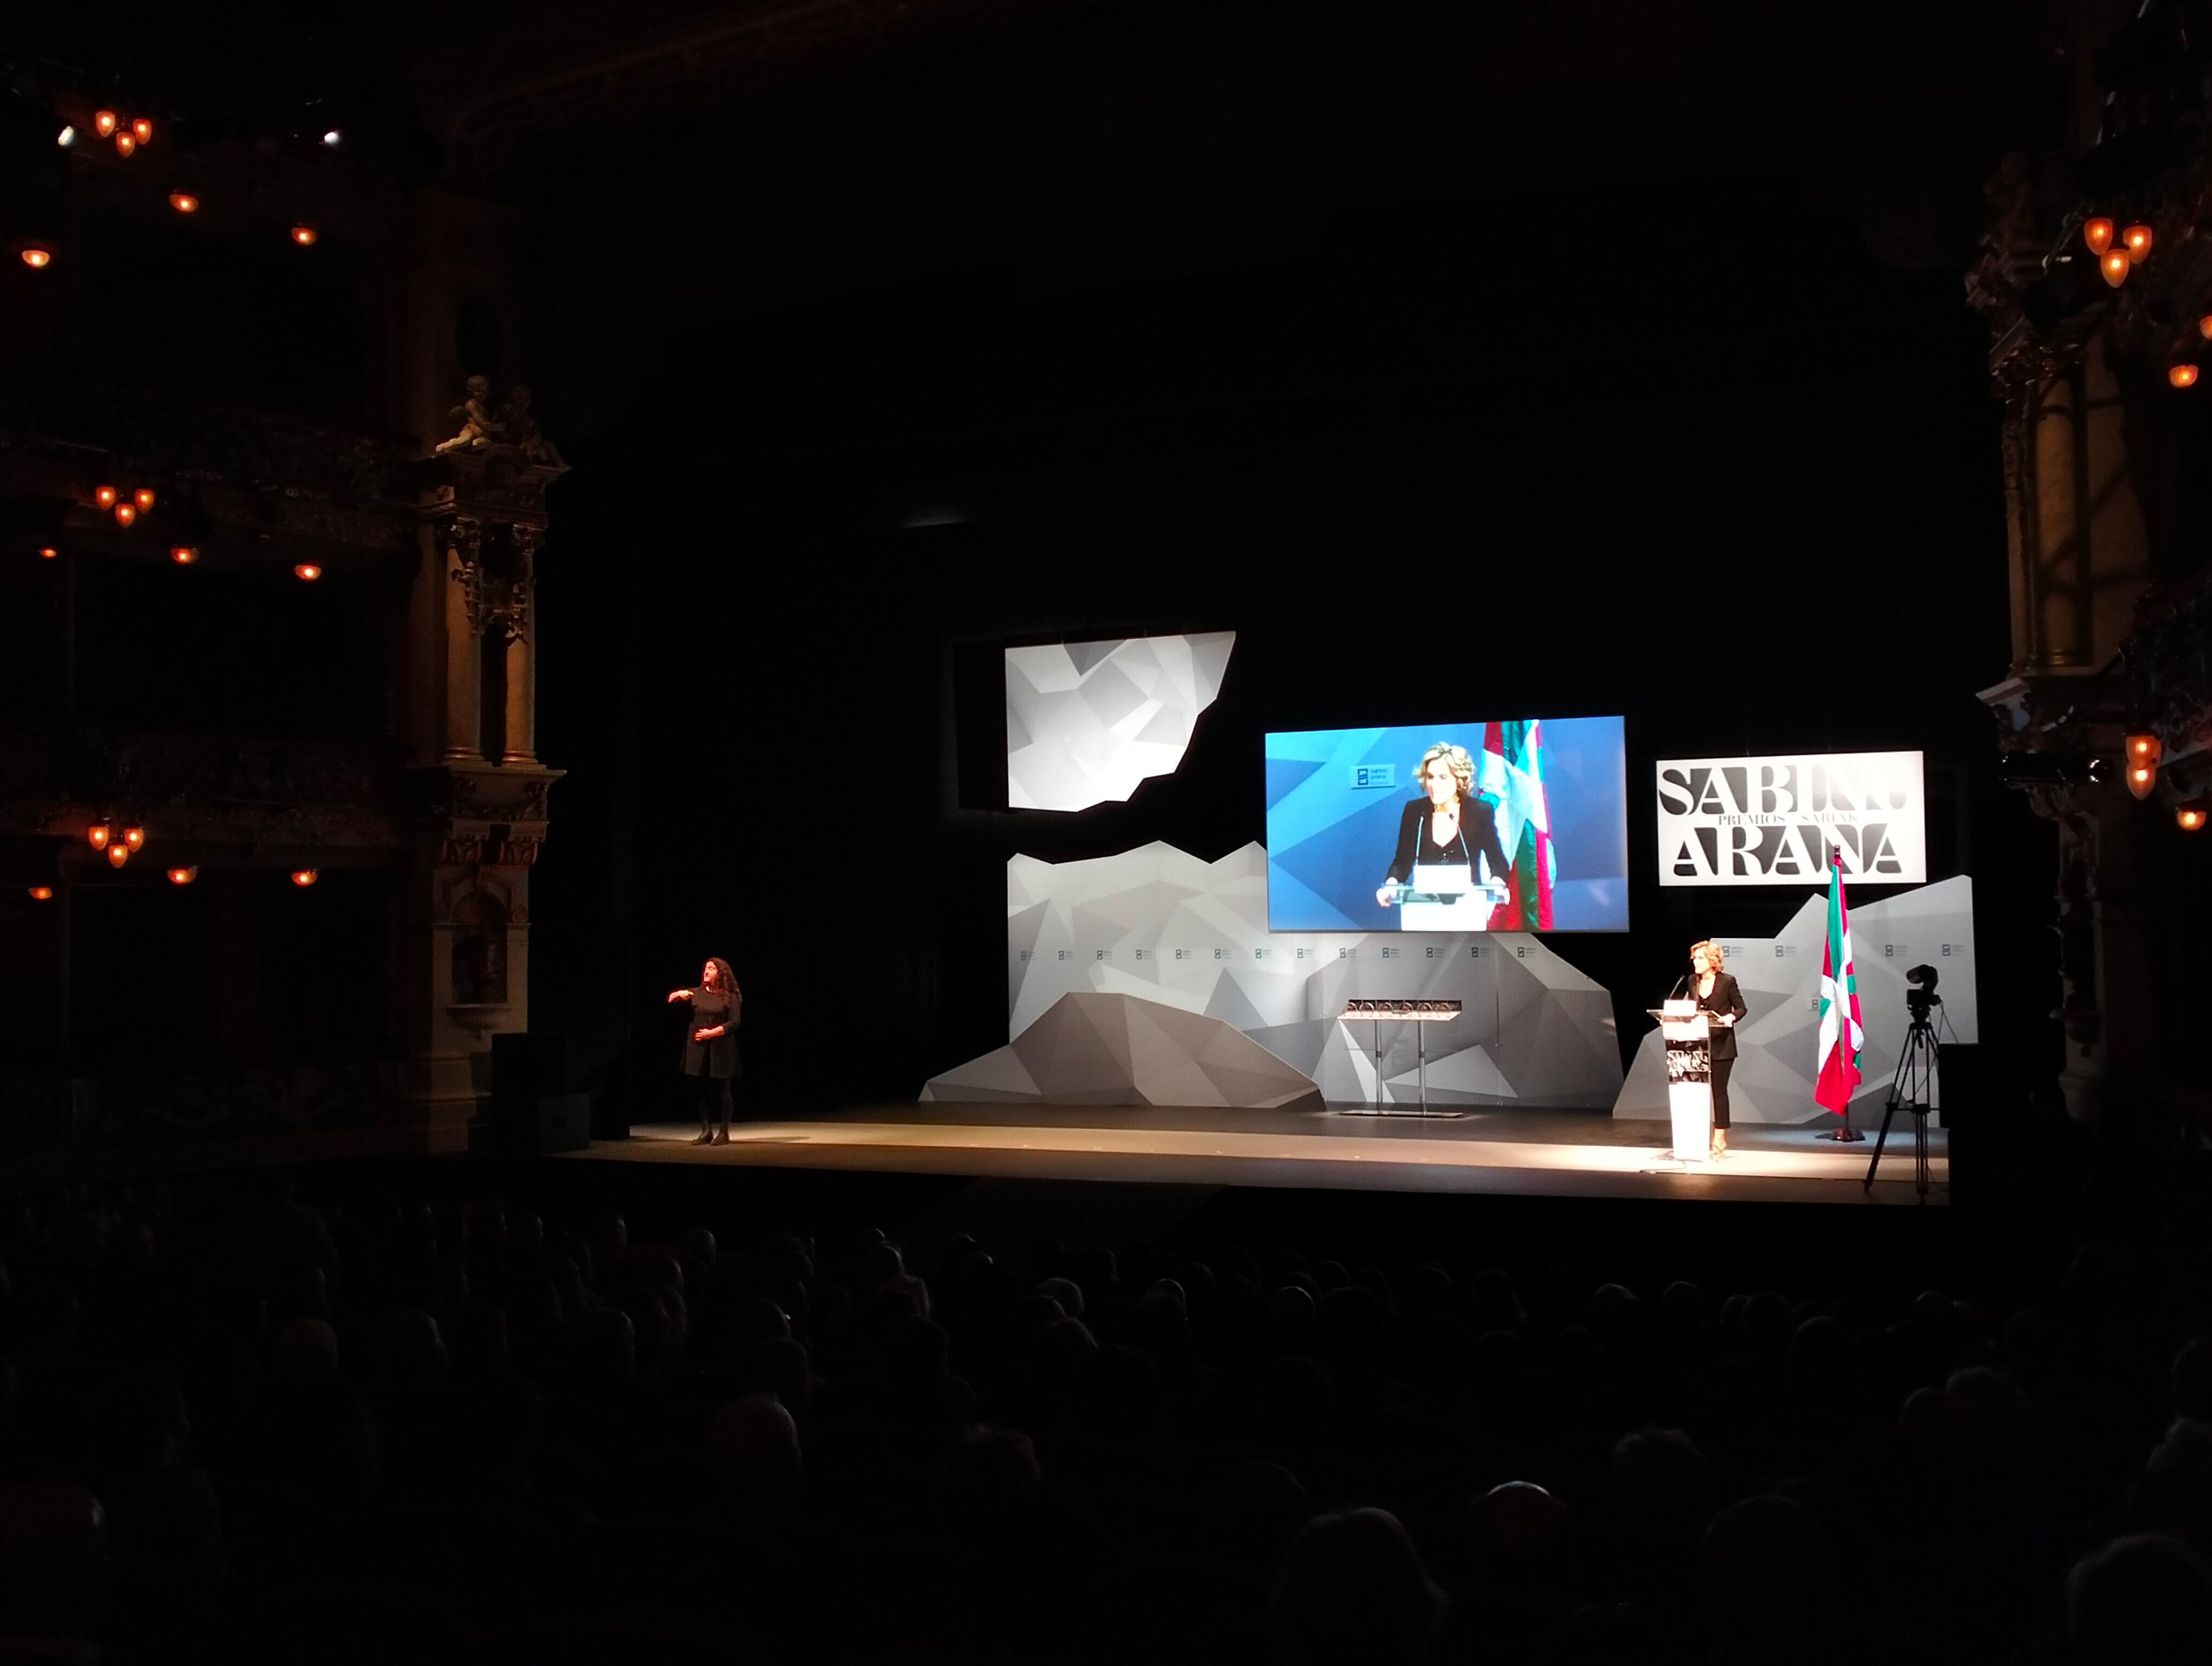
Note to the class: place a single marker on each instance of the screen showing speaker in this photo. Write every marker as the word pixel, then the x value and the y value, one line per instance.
pixel 1503 824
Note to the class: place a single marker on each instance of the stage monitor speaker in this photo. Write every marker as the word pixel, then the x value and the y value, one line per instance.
pixel 1965 1104
pixel 533 1112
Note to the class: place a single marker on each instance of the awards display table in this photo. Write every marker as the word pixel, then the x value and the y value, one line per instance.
pixel 1415 1013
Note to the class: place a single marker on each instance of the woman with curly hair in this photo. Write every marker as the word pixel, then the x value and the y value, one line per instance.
pixel 710 1047
pixel 1450 821
pixel 1722 1003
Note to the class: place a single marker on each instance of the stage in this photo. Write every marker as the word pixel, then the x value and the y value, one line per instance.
pixel 1534 1152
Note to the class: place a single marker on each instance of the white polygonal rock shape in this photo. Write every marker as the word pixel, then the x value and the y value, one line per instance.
pixel 1119 1050
pixel 1158 922
pixel 1777 1041
pixel 1086 722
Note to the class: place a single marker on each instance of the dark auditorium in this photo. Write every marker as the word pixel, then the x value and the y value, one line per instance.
pixel 1106 833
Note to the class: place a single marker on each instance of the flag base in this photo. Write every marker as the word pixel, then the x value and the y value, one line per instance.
pixel 1846 1135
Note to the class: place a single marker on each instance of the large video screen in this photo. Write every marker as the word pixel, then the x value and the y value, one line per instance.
pixel 1511 824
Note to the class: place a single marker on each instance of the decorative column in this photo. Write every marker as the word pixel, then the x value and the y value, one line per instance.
pixel 479 813
pixel 463 625
pixel 522 728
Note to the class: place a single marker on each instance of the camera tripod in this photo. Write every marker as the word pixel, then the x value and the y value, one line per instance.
pixel 1912 1089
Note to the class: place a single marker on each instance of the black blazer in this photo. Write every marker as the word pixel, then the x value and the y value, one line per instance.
pixel 717 1058
pixel 1725 998
pixel 1477 827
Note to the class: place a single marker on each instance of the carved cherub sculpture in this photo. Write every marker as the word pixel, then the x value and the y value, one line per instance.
pixel 522 431
pixel 479 428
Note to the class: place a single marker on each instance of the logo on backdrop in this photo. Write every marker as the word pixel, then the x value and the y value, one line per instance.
pixel 1773 821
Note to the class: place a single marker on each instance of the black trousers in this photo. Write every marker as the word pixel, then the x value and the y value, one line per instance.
pixel 1720 1075
pixel 714 1093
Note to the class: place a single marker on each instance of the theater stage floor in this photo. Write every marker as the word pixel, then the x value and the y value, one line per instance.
pixel 1572 1153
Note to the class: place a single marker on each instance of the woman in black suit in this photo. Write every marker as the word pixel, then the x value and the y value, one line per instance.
pixel 1722 1003
pixel 1448 822
pixel 710 1047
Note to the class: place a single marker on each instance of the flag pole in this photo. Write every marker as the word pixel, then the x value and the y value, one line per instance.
pixel 1838 972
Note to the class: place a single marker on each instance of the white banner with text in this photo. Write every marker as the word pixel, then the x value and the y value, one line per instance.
pixel 1773 821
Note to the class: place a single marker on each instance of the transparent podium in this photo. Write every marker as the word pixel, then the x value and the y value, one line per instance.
pixel 1415 1013
pixel 1689 1042
pixel 1445 897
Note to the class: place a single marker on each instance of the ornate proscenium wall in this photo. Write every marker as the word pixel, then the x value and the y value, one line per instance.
pixel 1159 924
pixel 480 809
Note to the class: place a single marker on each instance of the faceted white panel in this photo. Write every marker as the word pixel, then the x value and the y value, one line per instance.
pixel 1775 1063
pixel 1161 924
pixel 1116 1050
pixel 1087 721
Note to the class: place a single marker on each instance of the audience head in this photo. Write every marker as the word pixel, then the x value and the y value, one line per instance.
pixel 1353 1591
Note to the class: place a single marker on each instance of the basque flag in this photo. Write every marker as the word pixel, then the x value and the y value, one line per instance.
pixel 1513 774
pixel 1842 1036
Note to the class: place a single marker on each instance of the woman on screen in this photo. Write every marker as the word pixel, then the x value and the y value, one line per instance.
pixel 710 1050
pixel 1722 1003
pixel 1448 822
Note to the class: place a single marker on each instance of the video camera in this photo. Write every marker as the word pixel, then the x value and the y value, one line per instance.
pixel 1921 997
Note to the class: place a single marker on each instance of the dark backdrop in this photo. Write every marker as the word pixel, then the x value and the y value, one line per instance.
pixel 1758 518
pixel 1164 317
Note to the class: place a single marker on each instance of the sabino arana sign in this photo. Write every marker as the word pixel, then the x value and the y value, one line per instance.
pixel 1772 821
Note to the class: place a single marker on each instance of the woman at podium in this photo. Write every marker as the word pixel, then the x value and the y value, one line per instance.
pixel 710 1046
pixel 1722 1003
pixel 1448 822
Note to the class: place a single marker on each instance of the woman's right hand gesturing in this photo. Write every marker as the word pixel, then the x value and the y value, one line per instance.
pixel 679 994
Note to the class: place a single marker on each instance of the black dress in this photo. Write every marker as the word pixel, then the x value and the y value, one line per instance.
pixel 715 1059
pixel 1477 836
pixel 1725 998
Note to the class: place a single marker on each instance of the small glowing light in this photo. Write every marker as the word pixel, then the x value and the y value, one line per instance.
pixel 143 497
pixel 307 571
pixel 125 144
pixel 2181 375
pixel 2137 239
pixel 2113 263
pixel 305 876
pixel 47 552
pixel 37 256
pixel 105 496
pixel 66 138
pixel 183 876
pixel 135 837
pixel 103 122
pixel 42 893
pixel 98 835
pixel 126 513
pixel 142 131
pixel 2189 817
pixel 2144 747
pixel 2097 233
pixel 304 234
pixel 118 855
pixel 184 202
pixel 182 554
pixel 333 138
pixel 2205 326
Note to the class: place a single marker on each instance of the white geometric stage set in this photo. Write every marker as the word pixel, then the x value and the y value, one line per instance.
pixel 1780 976
pixel 1151 977
pixel 1087 721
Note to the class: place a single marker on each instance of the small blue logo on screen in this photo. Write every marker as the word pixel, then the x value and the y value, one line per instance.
pixel 1374 774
